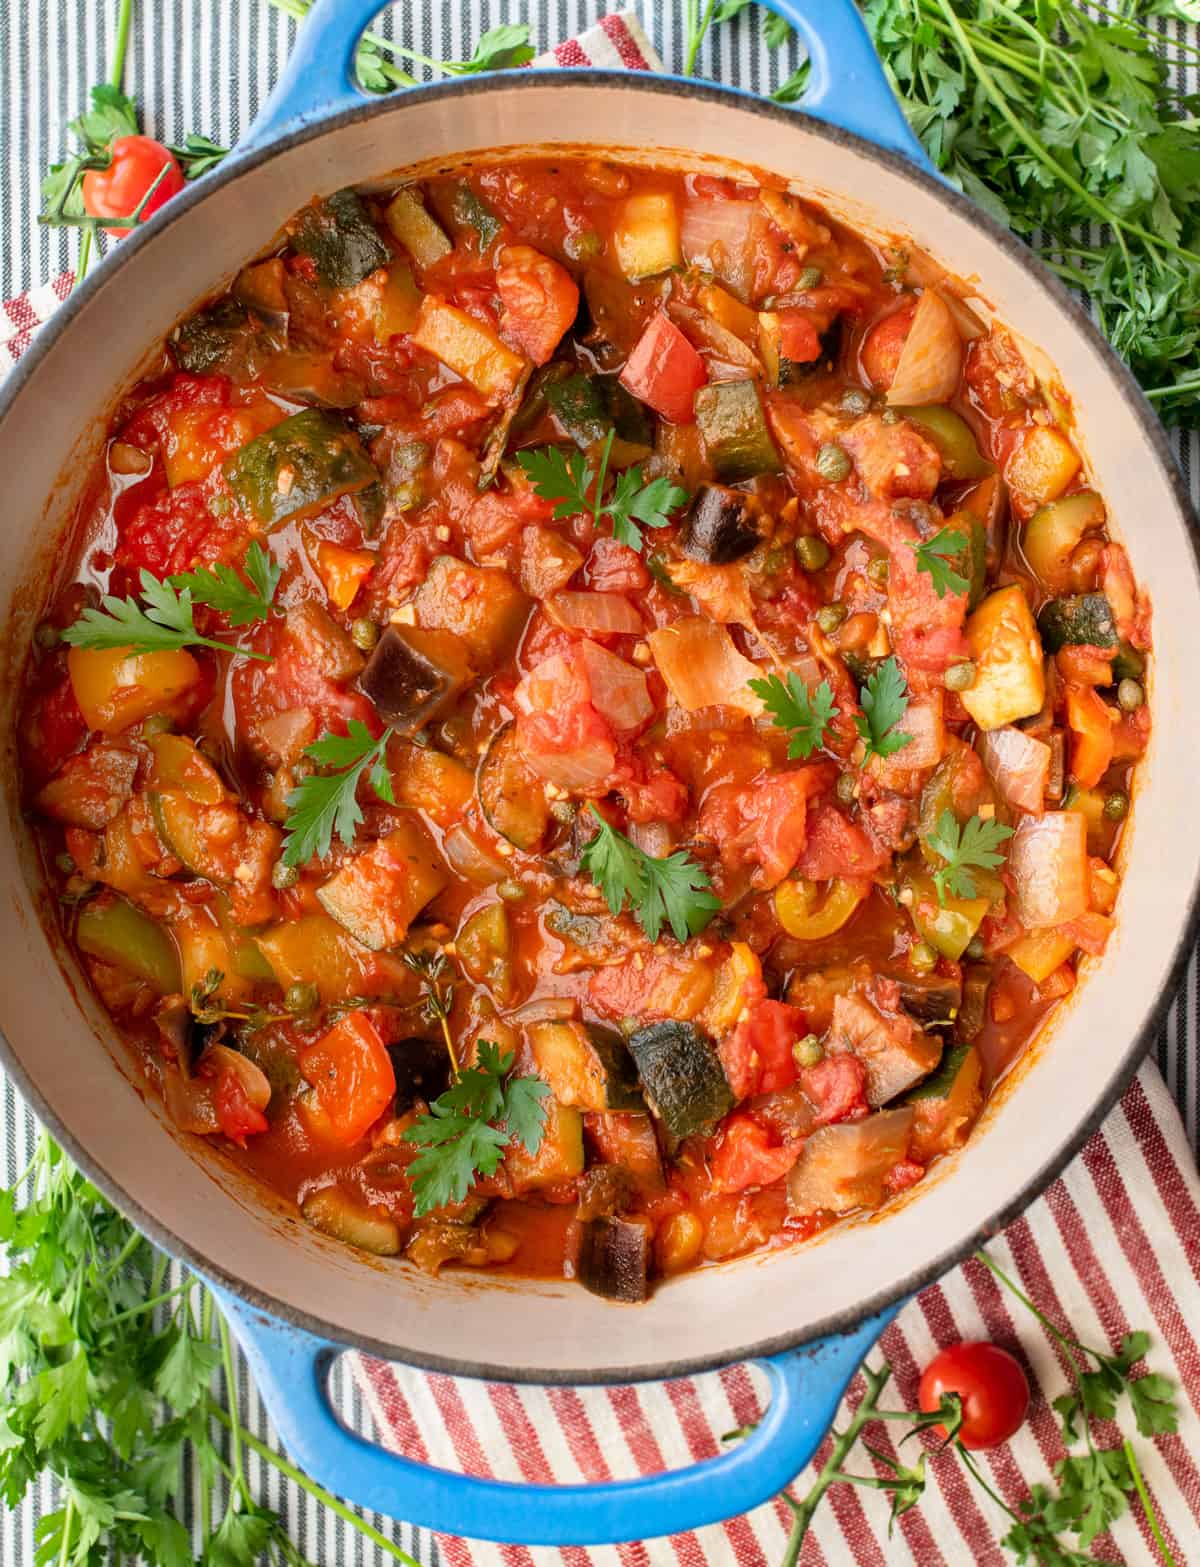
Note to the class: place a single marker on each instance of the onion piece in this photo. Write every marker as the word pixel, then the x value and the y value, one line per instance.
pixel 1047 859
pixel 618 690
pixel 702 668
pixel 610 614
pixel 931 359
pixel 923 722
pixel 716 236
pixel 218 1060
pixel 471 859
pixel 1019 765
pixel 708 334
pixel 546 1009
pixel 190 1103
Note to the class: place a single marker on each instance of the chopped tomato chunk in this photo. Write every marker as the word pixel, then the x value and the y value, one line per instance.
pixel 665 371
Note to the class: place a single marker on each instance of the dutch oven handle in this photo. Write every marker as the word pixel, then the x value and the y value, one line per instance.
pixel 291 1368
pixel 847 87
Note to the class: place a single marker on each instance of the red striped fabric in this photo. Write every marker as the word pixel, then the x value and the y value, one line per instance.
pixel 1114 1244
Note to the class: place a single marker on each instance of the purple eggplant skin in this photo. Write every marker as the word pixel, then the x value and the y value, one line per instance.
pixel 422 1070
pixel 614 1258
pixel 413 676
pixel 720 527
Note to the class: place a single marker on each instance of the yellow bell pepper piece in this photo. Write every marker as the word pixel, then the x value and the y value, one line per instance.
pixel 805 917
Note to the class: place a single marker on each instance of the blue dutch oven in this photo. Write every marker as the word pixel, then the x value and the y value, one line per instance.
pixel 807 1315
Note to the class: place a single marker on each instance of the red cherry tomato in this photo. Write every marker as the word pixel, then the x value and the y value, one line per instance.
pixel 114 192
pixel 991 1384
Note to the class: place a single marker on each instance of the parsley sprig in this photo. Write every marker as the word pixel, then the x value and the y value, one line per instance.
pixel 470 1126
pixel 163 622
pixel 117 1380
pixel 576 487
pixel 934 557
pixel 325 803
pixel 975 844
pixel 675 891
pixel 884 701
pixel 222 589
pixel 805 716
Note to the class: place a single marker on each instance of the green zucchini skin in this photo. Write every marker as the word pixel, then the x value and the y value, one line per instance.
pixel 338 235
pixel 512 797
pixel 299 466
pixel 577 405
pixel 734 426
pixel 1084 618
pixel 682 1075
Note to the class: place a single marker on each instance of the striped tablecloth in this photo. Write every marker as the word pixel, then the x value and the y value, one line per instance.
pixel 1114 1244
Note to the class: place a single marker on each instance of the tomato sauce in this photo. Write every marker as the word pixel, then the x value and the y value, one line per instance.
pixel 587 719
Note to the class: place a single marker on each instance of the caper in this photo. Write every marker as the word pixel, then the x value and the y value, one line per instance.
pixel 284 876
pixel 830 617
pixel 833 463
pixel 808 1051
pixel 960 677
pixel 364 634
pixel 845 787
pixel 1116 805
pixel 879 570
pixel 511 890
pixel 1130 695
pixel 157 724
pixel 855 401
pixel 47 636
pixel 301 997
pixel 809 278
pixel 890 416
pixel 812 552
pixel 563 811
pixel 66 863
pixel 975 949
pixel 922 959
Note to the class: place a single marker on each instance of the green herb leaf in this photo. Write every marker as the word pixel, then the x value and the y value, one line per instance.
pixel 559 477
pixel 469 1127
pixel 675 891
pixel 499 49
pixel 806 717
pixel 326 803
pixel 884 701
pixel 196 155
pixel 575 487
pixel 112 114
pixel 976 844
pixel 222 589
pixel 163 622
pixel 934 557
pixel 633 502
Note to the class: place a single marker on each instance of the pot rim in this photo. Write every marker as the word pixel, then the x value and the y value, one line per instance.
pixel 1123 385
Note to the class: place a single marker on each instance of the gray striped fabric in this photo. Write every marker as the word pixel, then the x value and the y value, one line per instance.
pixel 205 66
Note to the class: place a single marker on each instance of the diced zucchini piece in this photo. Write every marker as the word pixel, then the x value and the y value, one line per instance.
pixel 484 608
pixel 614 1257
pixel 181 824
pixel 947 1104
pixel 179 763
pixel 297 468
pixel 1085 618
pixel 219 339
pixel 682 1075
pixel 559 1156
pixel 731 420
pixel 334 1212
pixel 114 931
pixel 578 406
pixel 1007 652
pixel 472 350
pixel 1055 530
pixel 844 1167
pixel 413 675
pixel 484 948
pixel 954 439
pixel 1129 664
pixel 646 235
pixel 377 895
pixel 399 303
pixel 586 1065
pixel 1041 952
pixel 420 234
pixel 721 526
pixel 341 239
pixel 315 948
pixel 1041 465
pixel 261 289
pixel 512 797
pixel 729 312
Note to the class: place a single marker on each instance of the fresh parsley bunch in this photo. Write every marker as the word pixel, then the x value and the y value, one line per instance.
pixel 674 891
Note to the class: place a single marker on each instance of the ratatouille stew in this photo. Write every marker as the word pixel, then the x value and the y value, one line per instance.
pixel 587 718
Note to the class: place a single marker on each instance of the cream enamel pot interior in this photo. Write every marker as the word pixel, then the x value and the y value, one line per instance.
pixel 59 1044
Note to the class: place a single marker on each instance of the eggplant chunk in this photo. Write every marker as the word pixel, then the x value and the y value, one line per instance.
pixel 930 998
pixel 413 675
pixel 846 1165
pixel 720 526
pixel 422 1070
pixel 894 1051
pixel 614 1258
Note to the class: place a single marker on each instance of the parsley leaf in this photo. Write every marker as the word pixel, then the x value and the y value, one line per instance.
pixel 222 589
pixel 196 155
pixel 884 701
pixel 934 557
pixel 328 802
pixel 975 844
pixel 567 480
pixel 676 890
pixel 112 114
pixel 471 1125
pixel 162 623
pixel 499 49
pixel 791 707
